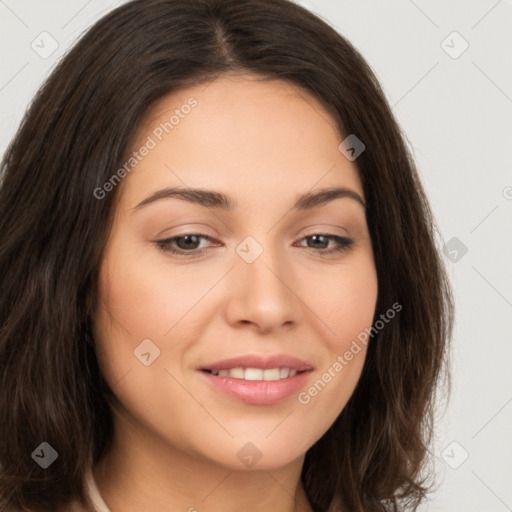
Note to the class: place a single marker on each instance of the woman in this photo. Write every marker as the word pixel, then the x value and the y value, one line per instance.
pixel 288 361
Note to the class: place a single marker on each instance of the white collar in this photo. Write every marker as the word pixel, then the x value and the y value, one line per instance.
pixel 93 493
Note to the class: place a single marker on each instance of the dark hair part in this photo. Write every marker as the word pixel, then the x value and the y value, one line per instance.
pixel 53 230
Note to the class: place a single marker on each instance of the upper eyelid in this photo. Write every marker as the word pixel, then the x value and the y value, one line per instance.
pixel 321 229
pixel 211 238
pixel 200 235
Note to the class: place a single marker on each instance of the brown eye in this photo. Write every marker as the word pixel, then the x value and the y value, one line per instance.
pixel 185 245
pixel 320 242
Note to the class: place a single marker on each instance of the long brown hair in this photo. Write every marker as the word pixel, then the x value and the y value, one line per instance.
pixel 53 230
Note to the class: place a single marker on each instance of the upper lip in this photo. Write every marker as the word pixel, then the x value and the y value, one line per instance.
pixel 258 361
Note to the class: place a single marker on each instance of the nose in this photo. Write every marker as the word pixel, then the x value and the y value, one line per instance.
pixel 264 293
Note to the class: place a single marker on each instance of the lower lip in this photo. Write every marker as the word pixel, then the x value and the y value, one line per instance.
pixel 258 392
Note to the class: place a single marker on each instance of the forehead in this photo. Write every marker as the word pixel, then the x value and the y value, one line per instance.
pixel 240 134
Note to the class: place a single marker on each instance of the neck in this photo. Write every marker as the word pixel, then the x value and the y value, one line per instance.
pixel 145 473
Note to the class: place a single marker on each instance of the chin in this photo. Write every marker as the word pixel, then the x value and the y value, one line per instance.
pixel 258 454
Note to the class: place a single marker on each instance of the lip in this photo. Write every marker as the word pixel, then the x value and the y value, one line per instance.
pixel 258 361
pixel 258 392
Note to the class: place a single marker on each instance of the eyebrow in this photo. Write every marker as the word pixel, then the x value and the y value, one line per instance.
pixel 218 200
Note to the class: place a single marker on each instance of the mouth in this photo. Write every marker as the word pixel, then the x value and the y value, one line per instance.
pixel 256 374
pixel 257 379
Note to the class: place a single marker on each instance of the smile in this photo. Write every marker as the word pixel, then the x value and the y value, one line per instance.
pixel 268 374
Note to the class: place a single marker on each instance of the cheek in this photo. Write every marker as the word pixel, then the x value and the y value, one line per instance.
pixel 345 301
pixel 136 304
pixel 132 306
pixel 143 299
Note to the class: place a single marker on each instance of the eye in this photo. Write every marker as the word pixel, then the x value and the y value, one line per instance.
pixel 188 245
pixel 319 240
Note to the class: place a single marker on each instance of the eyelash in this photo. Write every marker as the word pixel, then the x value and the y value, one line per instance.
pixel 344 245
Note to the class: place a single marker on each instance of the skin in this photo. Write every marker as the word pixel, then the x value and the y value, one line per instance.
pixel 177 438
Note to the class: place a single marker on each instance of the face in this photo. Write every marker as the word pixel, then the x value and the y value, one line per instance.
pixel 278 282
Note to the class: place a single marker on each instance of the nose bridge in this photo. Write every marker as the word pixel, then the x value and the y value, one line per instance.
pixel 261 261
pixel 263 292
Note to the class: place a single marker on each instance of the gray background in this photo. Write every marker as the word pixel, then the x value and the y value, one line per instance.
pixel 455 108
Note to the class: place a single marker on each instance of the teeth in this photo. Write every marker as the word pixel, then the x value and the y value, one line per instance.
pixel 271 374
pixel 256 373
pixel 253 374
pixel 236 373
